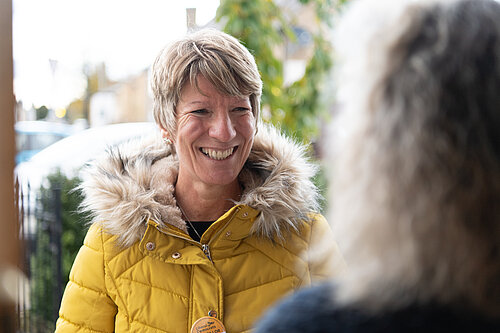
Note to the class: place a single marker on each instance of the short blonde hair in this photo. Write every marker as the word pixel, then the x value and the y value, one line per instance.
pixel 215 55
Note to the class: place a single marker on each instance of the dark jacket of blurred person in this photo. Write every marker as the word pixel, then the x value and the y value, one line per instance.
pixel 415 173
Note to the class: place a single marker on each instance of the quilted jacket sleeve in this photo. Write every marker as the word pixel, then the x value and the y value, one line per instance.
pixel 85 306
pixel 325 259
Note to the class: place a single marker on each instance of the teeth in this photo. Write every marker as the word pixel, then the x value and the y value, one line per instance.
pixel 217 154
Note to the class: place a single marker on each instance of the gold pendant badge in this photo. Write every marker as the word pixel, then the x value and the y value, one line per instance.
pixel 208 325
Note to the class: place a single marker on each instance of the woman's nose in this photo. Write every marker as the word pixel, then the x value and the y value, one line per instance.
pixel 222 128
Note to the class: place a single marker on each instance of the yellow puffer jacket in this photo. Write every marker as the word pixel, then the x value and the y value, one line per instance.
pixel 139 271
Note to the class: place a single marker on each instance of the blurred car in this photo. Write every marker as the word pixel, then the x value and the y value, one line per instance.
pixel 33 136
pixel 71 153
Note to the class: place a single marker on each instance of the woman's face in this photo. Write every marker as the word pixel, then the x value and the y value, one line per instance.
pixel 214 136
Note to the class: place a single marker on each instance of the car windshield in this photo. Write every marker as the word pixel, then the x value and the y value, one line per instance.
pixel 36 141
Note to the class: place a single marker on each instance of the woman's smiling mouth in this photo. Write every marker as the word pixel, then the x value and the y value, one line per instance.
pixel 218 154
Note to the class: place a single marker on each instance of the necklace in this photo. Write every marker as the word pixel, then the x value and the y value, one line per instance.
pixel 189 222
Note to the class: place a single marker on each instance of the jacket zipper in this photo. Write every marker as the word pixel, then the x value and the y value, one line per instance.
pixel 206 250
pixel 205 247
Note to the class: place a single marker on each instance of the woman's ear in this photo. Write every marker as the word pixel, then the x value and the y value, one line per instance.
pixel 166 136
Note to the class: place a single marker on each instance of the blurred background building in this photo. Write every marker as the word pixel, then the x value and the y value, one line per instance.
pixel 107 100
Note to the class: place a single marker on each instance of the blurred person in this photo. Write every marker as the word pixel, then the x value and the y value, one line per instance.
pixel 208 228
pixel 415 173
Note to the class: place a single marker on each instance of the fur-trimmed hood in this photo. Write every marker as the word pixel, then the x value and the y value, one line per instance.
pixel 135 180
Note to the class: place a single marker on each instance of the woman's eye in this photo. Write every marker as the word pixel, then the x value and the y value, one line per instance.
pixel 241 109
pixel 200 111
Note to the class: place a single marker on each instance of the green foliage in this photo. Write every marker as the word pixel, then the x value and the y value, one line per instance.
pixel 41 112
pixel 262 26
pixel 321 181
pixel 304 96
pixel 58 202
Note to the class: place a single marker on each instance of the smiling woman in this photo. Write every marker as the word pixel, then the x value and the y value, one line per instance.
pixel 210 225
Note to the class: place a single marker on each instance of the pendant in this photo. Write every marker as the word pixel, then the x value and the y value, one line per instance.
pixel 208 325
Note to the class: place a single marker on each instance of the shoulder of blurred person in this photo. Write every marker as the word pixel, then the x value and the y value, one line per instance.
pixel 314 310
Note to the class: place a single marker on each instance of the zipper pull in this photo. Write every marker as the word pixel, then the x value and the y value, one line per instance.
pixel 206 250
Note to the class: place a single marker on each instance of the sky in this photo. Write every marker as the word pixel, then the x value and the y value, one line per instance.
pixel 53 39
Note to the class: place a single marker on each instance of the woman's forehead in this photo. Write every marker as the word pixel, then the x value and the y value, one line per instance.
pixel 204 91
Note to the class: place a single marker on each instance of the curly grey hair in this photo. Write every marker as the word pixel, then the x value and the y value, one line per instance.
pixel 416 177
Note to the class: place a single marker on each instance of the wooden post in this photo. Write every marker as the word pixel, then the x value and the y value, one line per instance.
pixel 9 245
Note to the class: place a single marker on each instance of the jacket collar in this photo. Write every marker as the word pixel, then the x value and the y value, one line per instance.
pixel 133 182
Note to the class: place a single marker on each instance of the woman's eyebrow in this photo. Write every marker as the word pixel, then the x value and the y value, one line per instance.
pixel 196 103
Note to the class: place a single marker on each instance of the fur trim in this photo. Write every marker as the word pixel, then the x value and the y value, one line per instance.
pixel 133 182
